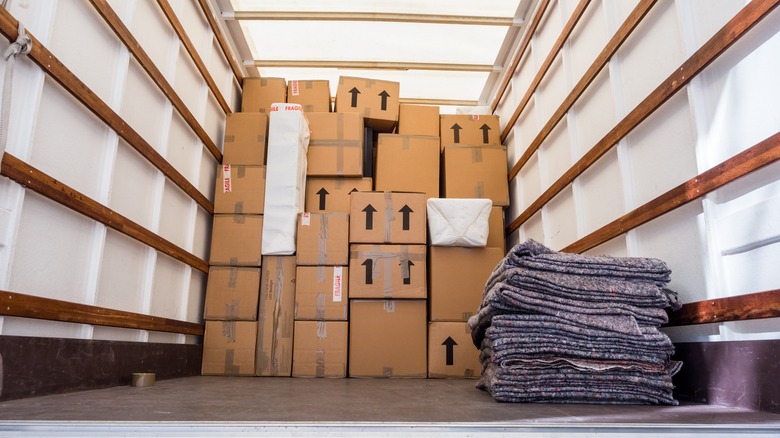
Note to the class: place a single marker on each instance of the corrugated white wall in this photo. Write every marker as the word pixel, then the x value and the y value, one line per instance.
pixel 723 245
pixel 50 251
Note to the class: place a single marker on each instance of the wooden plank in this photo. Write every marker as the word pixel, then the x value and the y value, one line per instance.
pixel 762 154
pixel 124 35
pixel 29 306
pixel 554 50
pixel 392 17
pixel 32 178
pixel 738 26
pixel 508 73
pixel 57 71
pixel 371 65
pixel 617 40
pixel 758 305
pixel 223 44
pixel 204 72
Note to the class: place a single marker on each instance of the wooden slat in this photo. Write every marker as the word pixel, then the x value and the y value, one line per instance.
pixel 124 34
pixel 758 305
pixel 743 21
pixel 32 178
pixel 472 20
pixel 617 40
pixel 554 50
pixel 28 306
pixel 750 160
pixel 223 44
pixel 185 40
pixel 371 65
pixel 508 73
pixel 57 71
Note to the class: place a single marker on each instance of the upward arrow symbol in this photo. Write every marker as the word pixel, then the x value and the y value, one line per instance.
pixel 456 133
pixel 450 344
pixel 405 210
pixel 485 128
pixel 384 96
pixel 369 210
pixel 354 92
pixel 323 194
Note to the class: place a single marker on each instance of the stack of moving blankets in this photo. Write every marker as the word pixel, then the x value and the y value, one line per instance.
pixel 567 328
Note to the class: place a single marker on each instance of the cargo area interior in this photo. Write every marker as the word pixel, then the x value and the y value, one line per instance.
pixel 390 218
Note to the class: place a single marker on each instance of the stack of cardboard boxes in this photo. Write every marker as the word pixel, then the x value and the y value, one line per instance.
pixel 365 295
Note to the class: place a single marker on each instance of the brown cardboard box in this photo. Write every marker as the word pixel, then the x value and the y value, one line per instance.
pixel 336 145
pixel 387 338
pixel 246 139
pixel 236 240
pixel 457 280
pixel 418 120
pixel 476 172
pixel 229 348
pixel 240 189
pixel 451 352
pixel 323 239
pixel 259 93
pixel 275 317
pixel 320 349
pixel 376 101
pixel 496 237
pixel 469 130
pixel 231 293
pixel 313 96
pixel 408 163
pixel 387 271
pixel 331 194
pixel 321 293
pixel 387 217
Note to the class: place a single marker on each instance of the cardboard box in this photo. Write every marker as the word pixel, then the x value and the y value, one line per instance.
pixel 322 293
pixel 331 194
pixel 229 348
pixel 323 239
pixel 375 100
pixel 451 352
pixel 418 120
pixel 336 145
pixel 320 349
pixel 387 338
pixel 259 93
pixel 457 280
pixel 496 236
pixel 408 163
pixel 236 240
pixel 246 138
pixel 313 96
pixel 276 317
pixel 239 189
pixel 476 172
pixel 387 217
pixel 469 130
pixel 388 271
pixel 231 293
pixel 285 183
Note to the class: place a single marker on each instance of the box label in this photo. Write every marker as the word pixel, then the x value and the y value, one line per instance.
pixel 286 107
pixel 305 219
pixel 294 88
pixel 227 181
pixel 337 284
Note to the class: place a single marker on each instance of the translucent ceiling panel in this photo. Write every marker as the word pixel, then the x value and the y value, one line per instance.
pixel 482 8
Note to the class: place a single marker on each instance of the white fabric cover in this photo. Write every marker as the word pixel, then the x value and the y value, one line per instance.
pixel 458 222
pixel 285 182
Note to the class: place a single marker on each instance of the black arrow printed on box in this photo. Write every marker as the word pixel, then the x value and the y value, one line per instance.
pixel 485 134
pixel 369 264
pixel 456 133
pixel 354 189
pixel 323 194
pixel 405 210
pixel 354 92
pixel 370 210
pixel 407 272
pixel 450 345
pixel 384 96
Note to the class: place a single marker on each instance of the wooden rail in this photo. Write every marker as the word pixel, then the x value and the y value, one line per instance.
pixel 124 35
pixel 221 41
pixel 738 26
pixel 32 178
pixel 545 67
pixel 28 306
pixel 758 305
pixel 187 42
pixel 71 83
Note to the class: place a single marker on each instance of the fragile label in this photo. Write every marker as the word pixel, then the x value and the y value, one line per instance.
pixel 475 117
pixel 286 107
pixel 294 88
pixel 227 182
pixel 337 283
pixel 305 219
